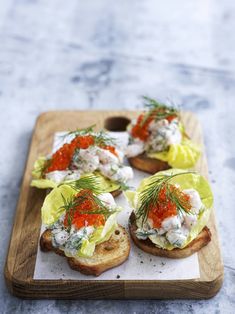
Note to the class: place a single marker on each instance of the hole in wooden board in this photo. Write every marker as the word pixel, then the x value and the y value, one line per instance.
pixel 116 124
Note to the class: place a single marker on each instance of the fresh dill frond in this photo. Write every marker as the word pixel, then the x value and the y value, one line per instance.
pixel 123 186
pixel 149 197
pixel 89 182
pixel 157 110
pixel 80 132
pixel 102 138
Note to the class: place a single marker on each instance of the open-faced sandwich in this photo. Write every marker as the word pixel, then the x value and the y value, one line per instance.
pixel 85 152
pixel 81 225
pixel 157 140
pixel 171 210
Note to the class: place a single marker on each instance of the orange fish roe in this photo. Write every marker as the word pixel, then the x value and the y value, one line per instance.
pixel 140 129
pixel 165 207
pixel 78 218
pixel 61 159
pixel 110 148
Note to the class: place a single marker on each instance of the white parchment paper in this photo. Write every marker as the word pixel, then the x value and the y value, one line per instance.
pixel 139 266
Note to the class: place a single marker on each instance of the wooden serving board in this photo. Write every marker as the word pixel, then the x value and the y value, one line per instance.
pixel 20 263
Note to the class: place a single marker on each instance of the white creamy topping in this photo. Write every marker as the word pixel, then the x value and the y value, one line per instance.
pixel 135 149
pixel 190 220
pixel 64 175
pixel 177 237
pixel 107 199
pixel 105 156
pixel 155 125
pixel 74 242
pixel 195 200
pixel 86 160
pixel 120 155
pixel 59 237
pixel 171 223
pixel 116 173
pixel 164 134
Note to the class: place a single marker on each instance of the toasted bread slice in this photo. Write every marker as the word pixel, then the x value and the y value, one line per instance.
pixel 117 192
pixel 150 165
pixel 107 255
pixel 148 246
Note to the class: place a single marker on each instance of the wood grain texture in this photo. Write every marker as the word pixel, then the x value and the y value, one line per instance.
pixel 20 263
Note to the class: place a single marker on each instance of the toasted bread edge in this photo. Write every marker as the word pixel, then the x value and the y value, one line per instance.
pixel 147 246
pixel 150 165
pixel 78 264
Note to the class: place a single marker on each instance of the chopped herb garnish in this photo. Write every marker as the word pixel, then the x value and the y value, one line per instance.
pixel 80 132
pixel 88 182
pixel 123 186
pixel 101 138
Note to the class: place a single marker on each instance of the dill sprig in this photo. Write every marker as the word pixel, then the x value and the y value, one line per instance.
pixel 101 138
pixel 123 186
pixel 72 204
pixel 149 197
pixel 89 182
pixel 157 110
pixel 80 132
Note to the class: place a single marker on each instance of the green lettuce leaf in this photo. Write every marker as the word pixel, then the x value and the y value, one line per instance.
pixel 106 184
pixel 43 184
pixel 38 167
pixel 183 155
pixel 185 181
pixel 51 208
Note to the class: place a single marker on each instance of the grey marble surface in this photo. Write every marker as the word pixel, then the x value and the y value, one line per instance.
pixel 75 54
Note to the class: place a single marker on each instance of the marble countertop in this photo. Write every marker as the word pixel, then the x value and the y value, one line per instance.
pixel 101 54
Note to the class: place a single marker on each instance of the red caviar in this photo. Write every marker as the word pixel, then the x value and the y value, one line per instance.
pixel 140 129
pixel 77 215
pixel 165 207
pixel 61 159
pixel 110 148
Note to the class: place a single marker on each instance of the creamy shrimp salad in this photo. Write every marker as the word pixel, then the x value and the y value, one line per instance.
pixel 161 134
pixel 94 159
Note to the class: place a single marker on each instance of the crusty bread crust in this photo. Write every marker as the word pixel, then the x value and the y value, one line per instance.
pixel 147 164
pixel 107 255
pixel 148 246
pixel 117 192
